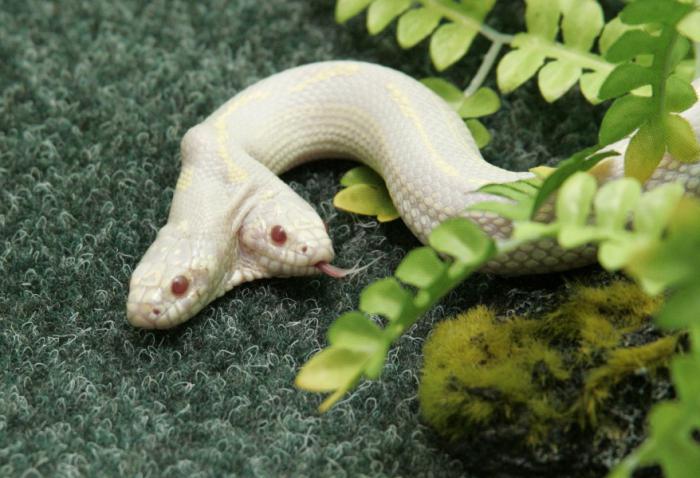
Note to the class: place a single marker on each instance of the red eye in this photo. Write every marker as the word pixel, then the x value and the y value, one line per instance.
pixel 179 285
pixel 278 235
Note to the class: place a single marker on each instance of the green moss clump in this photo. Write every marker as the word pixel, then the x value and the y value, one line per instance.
pixel 621 363
pixel 597 317
pixel 478 368
pixel 538 374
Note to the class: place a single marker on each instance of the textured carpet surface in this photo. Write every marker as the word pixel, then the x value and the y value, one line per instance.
pixel 95 96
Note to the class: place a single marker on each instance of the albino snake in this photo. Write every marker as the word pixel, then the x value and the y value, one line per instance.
pixel 233 220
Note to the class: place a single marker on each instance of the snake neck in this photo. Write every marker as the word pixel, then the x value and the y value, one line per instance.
pixel 225 193
pixel 374 115
pixel 218 186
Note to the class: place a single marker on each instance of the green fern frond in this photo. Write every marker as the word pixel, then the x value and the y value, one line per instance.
pixel 358 347
pixel 655 118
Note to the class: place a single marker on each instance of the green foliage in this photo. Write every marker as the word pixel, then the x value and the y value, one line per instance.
pixel 453 25
pixel 416 25
pixel 581 161
pixel 558 41
pixel 672 264
pixel 357 345
pixel 449 43
pixel 365 193
pixel 451 40
pixel 537 373
pixel 529 195
pixel 346 9
pixel 569 58
pixel 483 102
pixel 690 26
pixel 382 12
pixel 521 192
pixel 658 127
pixel 585 214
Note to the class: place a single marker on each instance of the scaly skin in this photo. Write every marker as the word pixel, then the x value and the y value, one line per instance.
pixel 228 198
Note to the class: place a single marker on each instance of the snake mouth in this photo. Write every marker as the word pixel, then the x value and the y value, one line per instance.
pixel 146 316
pixel 331 270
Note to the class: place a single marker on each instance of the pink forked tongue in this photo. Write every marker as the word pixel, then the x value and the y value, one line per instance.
pixel 331 270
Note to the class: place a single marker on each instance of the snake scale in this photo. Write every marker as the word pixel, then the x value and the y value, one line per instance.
pixel 232 220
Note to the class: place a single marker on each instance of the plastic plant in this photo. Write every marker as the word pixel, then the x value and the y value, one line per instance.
pixel 365 193
pixel 672 266
pixel 658 127
pixel 558 44
pixel 358 346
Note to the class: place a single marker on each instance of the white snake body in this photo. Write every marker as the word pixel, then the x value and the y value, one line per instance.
pixel 229 205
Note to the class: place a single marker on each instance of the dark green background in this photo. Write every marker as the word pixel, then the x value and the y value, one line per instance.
pixel 95 98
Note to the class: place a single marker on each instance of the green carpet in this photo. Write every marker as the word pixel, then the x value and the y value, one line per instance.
pixel 95 98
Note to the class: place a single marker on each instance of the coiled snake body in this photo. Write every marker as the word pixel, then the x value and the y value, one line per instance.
pixel 233 220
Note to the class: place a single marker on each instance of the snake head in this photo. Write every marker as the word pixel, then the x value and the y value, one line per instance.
pixel 178 275
pixel 283 236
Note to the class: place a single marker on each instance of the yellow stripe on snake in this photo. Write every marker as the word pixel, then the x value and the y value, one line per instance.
pixel 232 220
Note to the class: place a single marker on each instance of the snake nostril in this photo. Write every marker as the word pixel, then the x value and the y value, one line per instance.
pixel 156 311
pixel 304 249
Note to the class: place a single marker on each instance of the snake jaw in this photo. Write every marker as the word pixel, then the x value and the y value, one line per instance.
pixel 331 270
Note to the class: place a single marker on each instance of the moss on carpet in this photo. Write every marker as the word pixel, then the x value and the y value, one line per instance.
pixel 554 388
pixel 95 96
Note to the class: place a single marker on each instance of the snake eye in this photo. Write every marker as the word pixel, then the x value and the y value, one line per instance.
pixel 179 285
pixel 278 235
